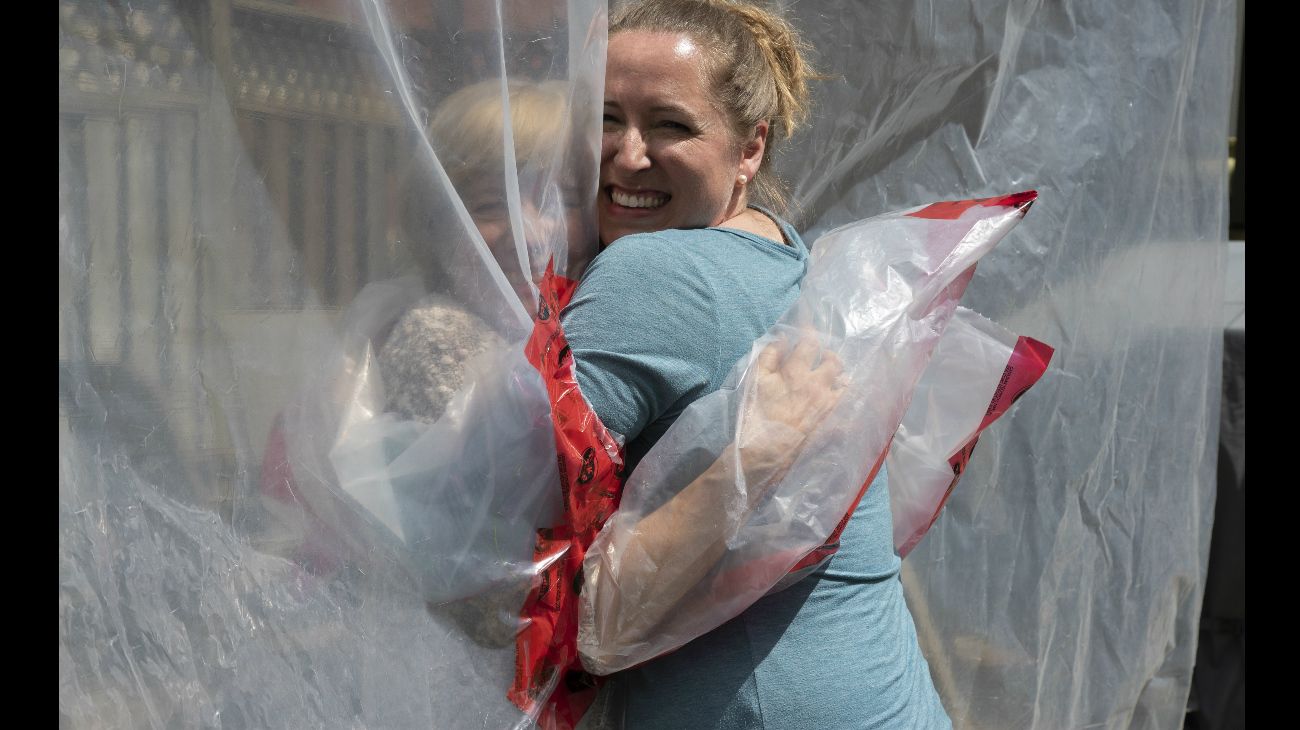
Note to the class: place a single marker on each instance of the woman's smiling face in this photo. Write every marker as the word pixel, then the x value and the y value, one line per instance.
pixel 669 156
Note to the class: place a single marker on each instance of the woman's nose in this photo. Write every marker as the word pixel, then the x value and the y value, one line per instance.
pixel 630 151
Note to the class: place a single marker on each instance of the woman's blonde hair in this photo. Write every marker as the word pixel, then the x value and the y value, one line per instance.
pixel 466 129
pixel 756 62
pixel 467 134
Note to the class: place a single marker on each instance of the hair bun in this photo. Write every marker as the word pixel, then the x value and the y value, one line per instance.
pixel 783 50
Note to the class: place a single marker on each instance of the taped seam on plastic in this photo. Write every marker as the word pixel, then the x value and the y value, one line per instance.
pixel 956 268
pixel 1033 352
pixel 951 210
pixel 1027 364
pixel 590 463
pixel 832 544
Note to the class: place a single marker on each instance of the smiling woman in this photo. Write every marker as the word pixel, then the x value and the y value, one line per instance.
pixel 697 95
pixel 669 156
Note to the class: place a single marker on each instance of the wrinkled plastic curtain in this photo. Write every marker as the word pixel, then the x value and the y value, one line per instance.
pixel 234 175
pixel 1062 586
pixel 257 200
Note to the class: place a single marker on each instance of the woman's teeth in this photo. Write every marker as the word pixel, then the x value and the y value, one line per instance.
pixel 638 200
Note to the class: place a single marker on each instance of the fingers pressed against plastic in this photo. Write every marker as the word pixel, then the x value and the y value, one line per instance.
pixel 770 358
pixel 804 355
pixel 831 367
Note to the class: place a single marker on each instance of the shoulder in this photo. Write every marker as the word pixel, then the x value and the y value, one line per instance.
pixel 656 281
pixel 643 328
pixel 666 272
pixel 787 229
pixel 671 247
pixel 691 258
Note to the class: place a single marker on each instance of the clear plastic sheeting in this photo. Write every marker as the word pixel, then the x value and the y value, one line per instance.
pixel 269 210
pixel 1062 585
pixel 299 247
pixel 977 372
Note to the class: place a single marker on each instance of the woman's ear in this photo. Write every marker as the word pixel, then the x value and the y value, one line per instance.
pixel 751 154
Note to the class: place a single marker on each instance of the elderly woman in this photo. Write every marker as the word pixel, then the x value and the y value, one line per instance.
pixel 420 338
pixel 422 360
pixel 698 94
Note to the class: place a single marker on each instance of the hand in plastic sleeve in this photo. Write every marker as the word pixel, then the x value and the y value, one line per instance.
pixel 796 388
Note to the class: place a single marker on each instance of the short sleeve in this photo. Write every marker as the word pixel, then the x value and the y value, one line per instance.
pixel 643 330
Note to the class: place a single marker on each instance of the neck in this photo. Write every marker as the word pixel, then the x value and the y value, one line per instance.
pixel 738 204
pixel 756 222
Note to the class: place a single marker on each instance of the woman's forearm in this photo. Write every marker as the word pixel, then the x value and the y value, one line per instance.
pixel 645 568
pixel 660 558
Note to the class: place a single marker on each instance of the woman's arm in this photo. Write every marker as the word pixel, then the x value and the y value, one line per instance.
pixel 670 550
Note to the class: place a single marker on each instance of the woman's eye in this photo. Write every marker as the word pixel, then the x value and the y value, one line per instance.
pixel 675 126
pixel 488 210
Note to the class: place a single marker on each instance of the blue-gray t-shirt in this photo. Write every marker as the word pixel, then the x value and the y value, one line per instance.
pixel 657 321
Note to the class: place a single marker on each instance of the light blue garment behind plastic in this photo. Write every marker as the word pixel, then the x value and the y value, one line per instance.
pixel 836 650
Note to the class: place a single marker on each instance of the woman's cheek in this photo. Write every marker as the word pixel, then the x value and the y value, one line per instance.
pixel 574 225
pixel 608 145
pixel 496 234
pixel 491 229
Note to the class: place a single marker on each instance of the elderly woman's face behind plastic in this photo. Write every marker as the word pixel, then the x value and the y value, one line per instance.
pixel 547 223
pixel 669 156
pixel 466 133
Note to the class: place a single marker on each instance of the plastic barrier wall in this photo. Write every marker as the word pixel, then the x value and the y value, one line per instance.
pixel 282 222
